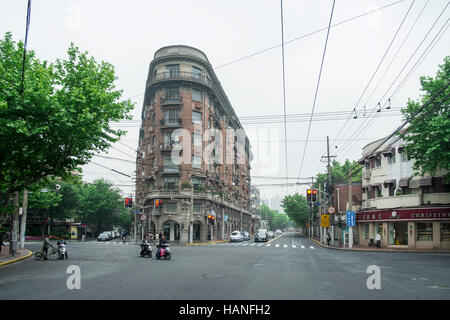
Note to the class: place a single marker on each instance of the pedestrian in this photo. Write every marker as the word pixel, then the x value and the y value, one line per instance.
pixel 378 240
pixel 46 245
pixel 160 235
pixel 328 239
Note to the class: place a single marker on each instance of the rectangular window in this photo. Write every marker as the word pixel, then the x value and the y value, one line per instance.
pixel 197 207
pixel 196 117
pixel 366 231
pixel 197 182
pixel 196 162
pixel 378 162
pixel 170 182
pixel 171 207
pixel 406 190
pixel 173 70
pixel 172 94
pixel 391 159
pixel 196 95
pixel 391 187
pixel 197 140
pixel 424 231
pixel 445 231
pixel 196 73
pixel 171 116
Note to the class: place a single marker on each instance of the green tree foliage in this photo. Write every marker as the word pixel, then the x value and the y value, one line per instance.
pixel 100 204
pixel 428 135
pixel 297 208
pixel 339 174
pixel 276 220
pixel 61 119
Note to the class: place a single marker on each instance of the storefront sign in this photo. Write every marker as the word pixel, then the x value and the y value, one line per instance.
pixel 405 214
pixel 325 220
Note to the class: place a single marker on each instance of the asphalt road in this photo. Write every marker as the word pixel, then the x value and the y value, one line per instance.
pixel 289 267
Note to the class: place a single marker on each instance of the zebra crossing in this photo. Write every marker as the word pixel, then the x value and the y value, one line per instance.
pixel 264 244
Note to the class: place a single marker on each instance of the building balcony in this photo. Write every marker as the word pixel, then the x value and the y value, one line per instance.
pixel 171 123
pixel 181 75
pixel 407 200
pixel 177 100
pixel 172 168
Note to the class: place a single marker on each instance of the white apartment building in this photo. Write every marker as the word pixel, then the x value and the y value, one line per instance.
pixel 409 211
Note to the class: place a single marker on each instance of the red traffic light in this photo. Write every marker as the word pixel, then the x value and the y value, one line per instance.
pixel 314 191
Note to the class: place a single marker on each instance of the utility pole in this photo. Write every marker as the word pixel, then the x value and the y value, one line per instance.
pixel 328 189
pixel 350 204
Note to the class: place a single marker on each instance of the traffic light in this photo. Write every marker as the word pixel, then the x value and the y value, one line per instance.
pixel 128 202
pixel 308 195
pixel 314 195
pixel 159 204
pixel 211 218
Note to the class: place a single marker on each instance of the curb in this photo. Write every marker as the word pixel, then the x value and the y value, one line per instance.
pixel 378 250
pixel 17 259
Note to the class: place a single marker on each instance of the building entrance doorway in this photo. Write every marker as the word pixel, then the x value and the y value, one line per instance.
pixel 171 231
pixel 398 233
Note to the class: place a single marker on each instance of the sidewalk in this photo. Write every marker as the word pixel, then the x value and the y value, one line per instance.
pixel 357 247
pixel 210 242
pixel 7 258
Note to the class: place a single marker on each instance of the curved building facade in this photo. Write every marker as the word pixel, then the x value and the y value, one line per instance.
pixel 193 152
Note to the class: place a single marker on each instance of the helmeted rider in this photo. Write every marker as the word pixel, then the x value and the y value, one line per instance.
pixel 162 242
pixel 144 244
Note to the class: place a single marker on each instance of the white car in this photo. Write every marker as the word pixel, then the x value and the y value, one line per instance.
pixel 103 237
pixel 278 233
pixel 271 235
pixel 236 236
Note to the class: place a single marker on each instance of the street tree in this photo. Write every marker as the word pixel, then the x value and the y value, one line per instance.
pixel 61 118
pixel 428 135
pixel 297 208
pixel 100 204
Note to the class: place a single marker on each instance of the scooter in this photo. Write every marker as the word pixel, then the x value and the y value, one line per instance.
pixel 164 252
pixel 62 251
pixel 146 250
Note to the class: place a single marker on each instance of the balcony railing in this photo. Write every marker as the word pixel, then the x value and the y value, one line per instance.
pixel 171 100
pixel 170 168
pixel 170 122
pixel 182 75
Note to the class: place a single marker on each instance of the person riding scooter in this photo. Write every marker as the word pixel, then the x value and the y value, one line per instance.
pixel 162 244
pixel 146 248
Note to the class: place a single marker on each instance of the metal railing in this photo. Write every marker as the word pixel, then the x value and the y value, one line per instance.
pixel 182 75
pixel 171 99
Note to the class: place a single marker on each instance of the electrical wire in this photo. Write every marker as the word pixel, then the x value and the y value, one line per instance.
pixel 358 131
pixel 378 67
pixel 317 89
pixel 284 92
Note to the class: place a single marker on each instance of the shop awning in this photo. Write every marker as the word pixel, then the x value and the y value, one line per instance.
pixel 388 153
pixel 403 182
pixel 390 181
pixel 423 182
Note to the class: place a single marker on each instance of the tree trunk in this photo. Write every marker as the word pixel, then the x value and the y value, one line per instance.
pixel 23 226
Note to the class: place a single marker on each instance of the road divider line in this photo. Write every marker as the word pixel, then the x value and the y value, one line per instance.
pixel 311 247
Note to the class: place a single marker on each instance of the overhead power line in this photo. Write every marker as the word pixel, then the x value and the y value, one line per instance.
pixel 284 91
pixel 377 68
pixel 317 89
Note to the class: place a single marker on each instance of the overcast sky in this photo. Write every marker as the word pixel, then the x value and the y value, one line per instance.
pixel 127 34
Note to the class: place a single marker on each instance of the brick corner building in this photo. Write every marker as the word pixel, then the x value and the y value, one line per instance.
pixel 194 155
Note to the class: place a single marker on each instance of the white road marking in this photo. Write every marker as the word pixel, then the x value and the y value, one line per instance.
pixel 245 244
pixel 303 247
pixel 284 245
pixel 277 246
pixel 259 245
pixel 311 247
pixel 294 246
pixel 253 244
pixel 268 245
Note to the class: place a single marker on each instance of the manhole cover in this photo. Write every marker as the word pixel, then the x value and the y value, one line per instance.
pixel 211 275
pixel 439 287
